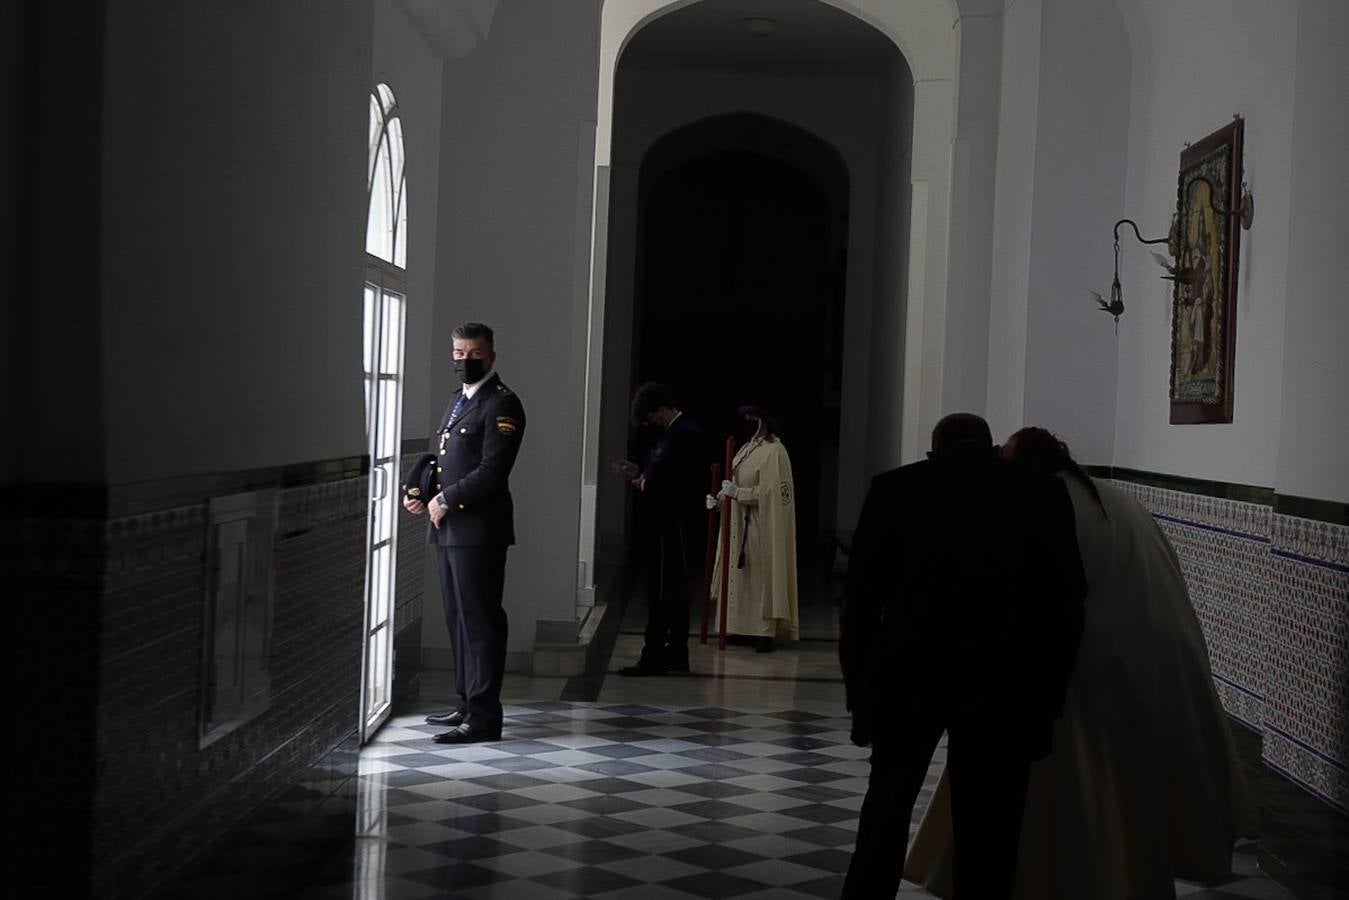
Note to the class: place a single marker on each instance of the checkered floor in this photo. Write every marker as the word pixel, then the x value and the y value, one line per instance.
pixel 613 801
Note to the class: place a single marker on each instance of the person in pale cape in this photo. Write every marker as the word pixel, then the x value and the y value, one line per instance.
pixel 762 594
pixel 1142 785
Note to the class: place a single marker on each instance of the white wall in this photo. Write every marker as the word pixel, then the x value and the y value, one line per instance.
pixel 1079 178
pixel 1075 153
pixel 1195 64
pixel 973 191
pixel 13 81
pixel 59 432
pixel 233 233
pixel 515 187
pixel 880 430
pixel 402 58
pixel 1314 430
pixel 1009 292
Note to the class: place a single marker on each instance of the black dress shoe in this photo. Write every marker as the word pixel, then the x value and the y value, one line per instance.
pixel 764 645
pixel 469 734
pixel 452 718
pixel 678 661
pixel 641 671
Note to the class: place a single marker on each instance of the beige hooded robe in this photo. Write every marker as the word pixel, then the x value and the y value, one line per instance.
pixel 762 593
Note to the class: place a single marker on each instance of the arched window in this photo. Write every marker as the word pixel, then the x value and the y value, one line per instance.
pixel 386 295
pixel 387 224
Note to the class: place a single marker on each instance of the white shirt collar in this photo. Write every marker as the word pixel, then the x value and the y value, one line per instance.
pixel 471 389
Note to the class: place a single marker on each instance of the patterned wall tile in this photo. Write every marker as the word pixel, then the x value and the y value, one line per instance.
pixel 1321 777
pixel 51 568
pixel 1315 541
pixel 411 566
pixel 159 797
pixel 1272 595
pixel 1309 655
pixel 1241 704
pixel 1250 519
pixel 1223 547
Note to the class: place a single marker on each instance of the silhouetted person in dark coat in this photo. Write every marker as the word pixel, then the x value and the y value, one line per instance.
pixel 670 538
pixel 962 614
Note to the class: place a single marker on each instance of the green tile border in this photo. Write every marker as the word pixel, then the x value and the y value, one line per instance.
pixel 147 496
pixel 1329 511
pixel 1242 493
pixel 115 501
pixel 1292 818
pixel 1316 510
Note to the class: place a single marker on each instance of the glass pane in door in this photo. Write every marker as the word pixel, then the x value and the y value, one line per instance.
pixel 384 323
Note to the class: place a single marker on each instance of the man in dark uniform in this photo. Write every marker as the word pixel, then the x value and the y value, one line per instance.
pixel 963 610
pixel 472 524
pixel 670 491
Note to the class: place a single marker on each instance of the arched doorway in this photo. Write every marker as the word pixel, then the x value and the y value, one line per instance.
pixel 896 261
pixel 740 274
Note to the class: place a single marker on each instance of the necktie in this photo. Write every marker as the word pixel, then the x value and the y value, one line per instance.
pixel 458 405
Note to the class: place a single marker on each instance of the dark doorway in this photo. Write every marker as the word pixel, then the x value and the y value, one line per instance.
pixel 739 299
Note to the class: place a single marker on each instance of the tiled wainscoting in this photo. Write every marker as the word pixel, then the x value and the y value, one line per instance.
pixel 411 575
pixel 1269 579
pixel 159 798
pixel 1272 593
pixel 114 618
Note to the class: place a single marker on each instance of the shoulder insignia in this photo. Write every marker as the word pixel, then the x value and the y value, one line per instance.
pixel 507 425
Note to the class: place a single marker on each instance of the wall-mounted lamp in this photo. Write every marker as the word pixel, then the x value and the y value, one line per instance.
pixel 1178 268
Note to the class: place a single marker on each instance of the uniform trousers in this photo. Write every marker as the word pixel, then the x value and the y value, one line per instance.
pixel 472 580
pixel 988 798
pixel 668 593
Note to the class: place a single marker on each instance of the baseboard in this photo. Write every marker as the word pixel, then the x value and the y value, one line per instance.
pixel 560 658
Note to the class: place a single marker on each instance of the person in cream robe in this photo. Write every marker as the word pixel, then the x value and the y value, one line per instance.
pixel 762 594
pixel 1142 785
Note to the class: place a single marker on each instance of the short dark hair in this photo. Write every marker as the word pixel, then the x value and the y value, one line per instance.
pixel 650 397
pixel 472 331
pixel 962 435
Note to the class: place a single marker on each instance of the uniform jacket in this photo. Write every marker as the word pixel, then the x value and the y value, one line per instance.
pixel 964 598
pixel 671 504
pixel 673 467
pixel 475 455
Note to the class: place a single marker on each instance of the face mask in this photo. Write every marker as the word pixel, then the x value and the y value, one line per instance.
pixel 749 428
pixel 470 371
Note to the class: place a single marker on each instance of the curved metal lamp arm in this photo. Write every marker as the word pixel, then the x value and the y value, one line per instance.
pixel 1181 274
pixel 1246 204
pixel 1134 225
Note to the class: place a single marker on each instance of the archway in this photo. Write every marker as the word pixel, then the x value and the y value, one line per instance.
pixel 917 239
pixel 741 270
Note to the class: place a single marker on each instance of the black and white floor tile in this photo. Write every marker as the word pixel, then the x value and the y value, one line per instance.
pixel 611 801
pixel 624 800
